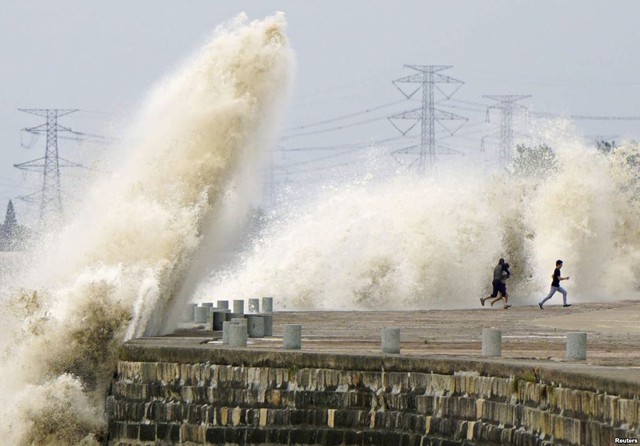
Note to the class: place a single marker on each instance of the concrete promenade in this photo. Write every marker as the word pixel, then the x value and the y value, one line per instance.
pixel 531 338
pixel 340 388
pixel 527 332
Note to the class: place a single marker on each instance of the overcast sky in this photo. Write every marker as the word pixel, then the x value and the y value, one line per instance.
pixel 578 57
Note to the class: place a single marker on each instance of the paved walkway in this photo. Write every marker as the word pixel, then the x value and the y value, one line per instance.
pixel 613 331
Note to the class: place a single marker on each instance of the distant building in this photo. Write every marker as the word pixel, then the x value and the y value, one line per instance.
pixel 13 237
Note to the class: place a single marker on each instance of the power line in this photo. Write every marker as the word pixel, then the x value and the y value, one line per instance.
pixel 477 110
pixel 469 103
pixel 317 169
pixel 585 117
pixel 606 118
pixel 343 117
pixel 332 129
pixel 339 146
pixel 333 155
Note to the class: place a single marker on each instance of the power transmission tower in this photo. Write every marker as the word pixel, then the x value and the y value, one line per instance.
pixel 50 194
pixel 507 106
pixel 428 77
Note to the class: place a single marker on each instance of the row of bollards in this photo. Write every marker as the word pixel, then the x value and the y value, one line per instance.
pixel 576 344
pixel 201 313
pixel 237 327
pixel 235 335
pixel 206 313
pixel 237 331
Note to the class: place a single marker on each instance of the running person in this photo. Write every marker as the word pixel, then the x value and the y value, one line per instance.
pixel 503 288
pixel 500 275
pixel 555 286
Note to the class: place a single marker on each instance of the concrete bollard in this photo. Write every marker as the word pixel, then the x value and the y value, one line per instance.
pixel 255 325
pixel 238 306
pixel 391 340
pixel 223 304
pixel 576 346
pixel 189 313
pixel 228 323
pixel 237 335
pixel 239 320
pixel 211 307
pixel 225 332
pixel 218 316
pixel 267 304
pixel 268 324
pixel 292 337
pixel 201 315
pixel 491 342
pixel 254 306
pixel 232 316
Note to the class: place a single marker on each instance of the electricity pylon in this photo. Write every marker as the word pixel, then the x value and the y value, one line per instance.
pixel 50 194
pixel 507 105
pixel 428 78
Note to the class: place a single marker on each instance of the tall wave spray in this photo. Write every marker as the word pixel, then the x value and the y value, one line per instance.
pixel 432 242
pixel 114 271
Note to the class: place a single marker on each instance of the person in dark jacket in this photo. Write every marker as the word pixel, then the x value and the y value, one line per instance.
pixel 499 283
pixel 555 286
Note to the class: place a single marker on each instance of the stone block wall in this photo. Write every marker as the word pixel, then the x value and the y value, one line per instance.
pixel 208 403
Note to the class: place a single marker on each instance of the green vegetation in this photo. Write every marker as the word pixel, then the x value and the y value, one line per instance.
pixel 605 147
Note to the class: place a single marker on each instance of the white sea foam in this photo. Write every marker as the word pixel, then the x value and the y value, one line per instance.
pixel 146 237
pixel 432 242
pixel 115 269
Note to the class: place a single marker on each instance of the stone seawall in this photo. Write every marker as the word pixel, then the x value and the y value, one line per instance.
pixel 205 395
